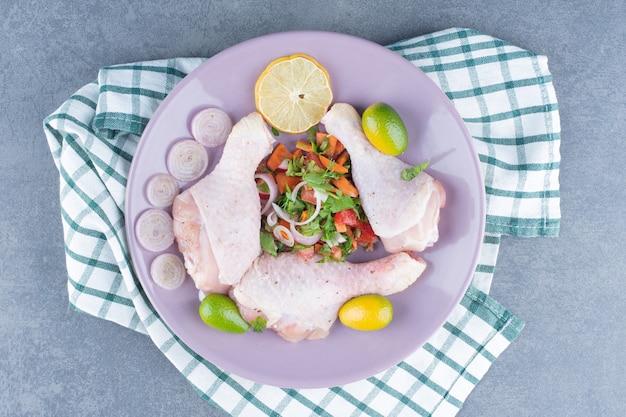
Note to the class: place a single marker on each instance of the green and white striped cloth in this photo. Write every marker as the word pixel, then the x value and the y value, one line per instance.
pixel 506 97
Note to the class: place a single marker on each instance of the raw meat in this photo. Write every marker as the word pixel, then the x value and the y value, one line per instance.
pixel 300 298
pixel 217 220
pixel 404 214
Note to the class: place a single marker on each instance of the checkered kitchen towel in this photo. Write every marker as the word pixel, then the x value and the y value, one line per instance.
pixel 506 97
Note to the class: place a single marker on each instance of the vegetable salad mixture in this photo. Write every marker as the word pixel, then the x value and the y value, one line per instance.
pixel 310 205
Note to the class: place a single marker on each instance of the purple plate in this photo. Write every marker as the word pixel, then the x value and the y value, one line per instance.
pixel 361 73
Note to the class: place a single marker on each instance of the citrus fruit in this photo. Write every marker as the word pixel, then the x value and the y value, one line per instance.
pixel 385 129
pixel 221 313
pixel 293 93
pixel 366 312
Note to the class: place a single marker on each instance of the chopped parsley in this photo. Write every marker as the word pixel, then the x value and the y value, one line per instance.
pixel 410 173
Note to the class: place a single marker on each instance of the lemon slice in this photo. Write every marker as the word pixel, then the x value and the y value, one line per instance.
pixel 293 93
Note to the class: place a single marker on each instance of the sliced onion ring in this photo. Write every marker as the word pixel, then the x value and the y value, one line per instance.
pixel 271 184
pixel 161 190
pixel 302 239
pixel 187 160
pixel 211 127
pixel 296 189
pixel 318 206
pixel 168 271
pixel 284 235
pixel 154 230
pixel 271 218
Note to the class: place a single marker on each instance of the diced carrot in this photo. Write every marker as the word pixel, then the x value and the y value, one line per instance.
pixel 341 227
pixel 297 153
pixel 304 146
pixel 332 146
pixel 283 180
pixel 334 167
pixel 342 158
pixel 346 187
pixel 339 148
pixel 304 215
pixel 320 136
pixel 279 154
pixel 284 223
pixel 326 143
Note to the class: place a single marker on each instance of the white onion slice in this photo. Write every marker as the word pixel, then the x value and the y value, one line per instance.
pixel 281 213
pixel 302 239
pixel 336 240
pixel 296 189
pixel 283 165
pixel 318 206
pixel 187 160
pixel 273 188
pixel 168 271
pixel 211 127
pixel 284 235
pixel 154 230
pixel 161 190
pixel 271 218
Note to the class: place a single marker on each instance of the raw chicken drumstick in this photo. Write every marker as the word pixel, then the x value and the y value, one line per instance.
pixel 217 220
pixel 300 298
pixel 404 214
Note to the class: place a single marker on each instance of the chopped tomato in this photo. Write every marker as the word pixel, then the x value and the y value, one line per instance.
pixel 315 158
pixel 306 253
pixel 308 194
pixel 366 234
pixel 346 218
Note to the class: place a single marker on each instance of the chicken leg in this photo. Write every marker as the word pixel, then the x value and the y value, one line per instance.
pixel 404 214
pixel 300 298
pixel 217 220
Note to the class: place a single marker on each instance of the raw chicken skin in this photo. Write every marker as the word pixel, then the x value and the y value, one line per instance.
pixel 404 214
pixel 300 299
pixel 217 220
pixel 193 243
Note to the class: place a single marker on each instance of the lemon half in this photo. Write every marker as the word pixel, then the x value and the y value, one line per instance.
pixel 293 93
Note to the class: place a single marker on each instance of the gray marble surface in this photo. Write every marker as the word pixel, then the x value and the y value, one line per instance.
pixel 569 361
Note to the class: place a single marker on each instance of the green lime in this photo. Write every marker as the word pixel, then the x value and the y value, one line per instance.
pixel 221 313
pixel 385 129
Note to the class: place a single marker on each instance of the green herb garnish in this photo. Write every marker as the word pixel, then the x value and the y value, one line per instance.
pixel 258 324
pixel 268 244
pixel 410 173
